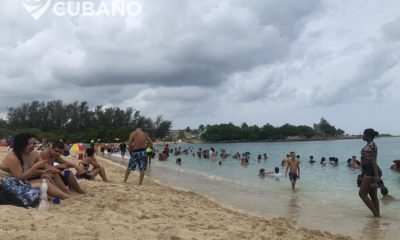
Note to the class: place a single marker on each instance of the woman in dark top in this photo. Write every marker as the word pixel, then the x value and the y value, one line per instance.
pixel 83 167
pixel 370 172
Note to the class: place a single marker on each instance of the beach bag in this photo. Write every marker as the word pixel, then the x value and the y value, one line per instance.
pixel 18 193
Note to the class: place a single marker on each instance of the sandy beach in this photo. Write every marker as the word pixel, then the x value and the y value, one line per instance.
pixel 152 211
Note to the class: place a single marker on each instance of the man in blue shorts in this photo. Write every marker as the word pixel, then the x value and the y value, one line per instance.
pixel 137 144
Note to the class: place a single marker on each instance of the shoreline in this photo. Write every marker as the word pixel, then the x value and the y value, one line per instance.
pixel 293 224
pixel 341 218
pixel 153 211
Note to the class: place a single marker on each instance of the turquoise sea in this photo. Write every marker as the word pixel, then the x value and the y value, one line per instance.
pixel 326 197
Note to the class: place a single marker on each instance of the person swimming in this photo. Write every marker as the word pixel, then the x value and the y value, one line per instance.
pixel 276 174
pixel 261 173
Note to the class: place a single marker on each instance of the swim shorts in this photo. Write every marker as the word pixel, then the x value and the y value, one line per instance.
pixel 293 177
pixel 138 158
pixel 85 175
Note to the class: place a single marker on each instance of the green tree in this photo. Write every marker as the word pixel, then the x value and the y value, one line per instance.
pixel 77 122
pixel 326 128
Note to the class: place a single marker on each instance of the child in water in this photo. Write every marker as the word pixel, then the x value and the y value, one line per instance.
pixel 293 167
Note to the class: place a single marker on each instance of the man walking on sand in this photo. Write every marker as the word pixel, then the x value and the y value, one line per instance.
pixel 138 141
pixel 293 166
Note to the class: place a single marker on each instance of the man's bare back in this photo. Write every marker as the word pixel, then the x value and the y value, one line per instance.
pixel 139 140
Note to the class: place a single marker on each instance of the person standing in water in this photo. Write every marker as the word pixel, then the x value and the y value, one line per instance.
pixel 370 172
pixel 137 144
pixel 293 167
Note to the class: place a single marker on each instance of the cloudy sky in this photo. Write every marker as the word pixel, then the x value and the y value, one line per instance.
pixel 213 61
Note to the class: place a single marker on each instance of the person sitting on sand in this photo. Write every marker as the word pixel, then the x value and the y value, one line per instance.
pixel 50 173
pixel 52 156
pixel 293 167
pixel 15 164
pixel 84 166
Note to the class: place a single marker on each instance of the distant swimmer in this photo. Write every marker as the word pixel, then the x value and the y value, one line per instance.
pixel 323 161
pixel 261 173
pixel 396 166
pixel 276 175
pixel 312 161
pixel 355 163
pixel 285 160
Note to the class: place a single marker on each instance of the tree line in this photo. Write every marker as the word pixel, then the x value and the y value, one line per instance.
pixel 231 132
pixel 77 122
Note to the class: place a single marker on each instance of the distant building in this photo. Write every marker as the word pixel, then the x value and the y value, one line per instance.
pixel 178 134
pixel 316 128
pixel 182 134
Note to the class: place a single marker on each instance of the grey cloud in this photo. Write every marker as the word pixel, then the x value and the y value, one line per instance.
pixel 202 61
pixel 391 30
pixel 192 48
pixel 369 82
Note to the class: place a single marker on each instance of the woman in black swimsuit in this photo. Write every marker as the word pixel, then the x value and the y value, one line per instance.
pixel 370 172
pixel 97 169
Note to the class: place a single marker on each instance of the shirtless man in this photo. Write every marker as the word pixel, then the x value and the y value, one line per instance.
pixel 54 154
pixel 293 166
pixel 137 144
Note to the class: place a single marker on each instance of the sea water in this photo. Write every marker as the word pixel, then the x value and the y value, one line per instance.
pixel 326 197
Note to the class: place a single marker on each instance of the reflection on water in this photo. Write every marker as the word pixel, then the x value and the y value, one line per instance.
pixel 371 229
pixel 293 207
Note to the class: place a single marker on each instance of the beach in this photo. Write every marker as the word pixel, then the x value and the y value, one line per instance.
pixel 152 211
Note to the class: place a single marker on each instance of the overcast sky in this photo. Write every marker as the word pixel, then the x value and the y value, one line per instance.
pixel 214 61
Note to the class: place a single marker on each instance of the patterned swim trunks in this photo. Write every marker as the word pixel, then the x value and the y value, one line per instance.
pixel 138 157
